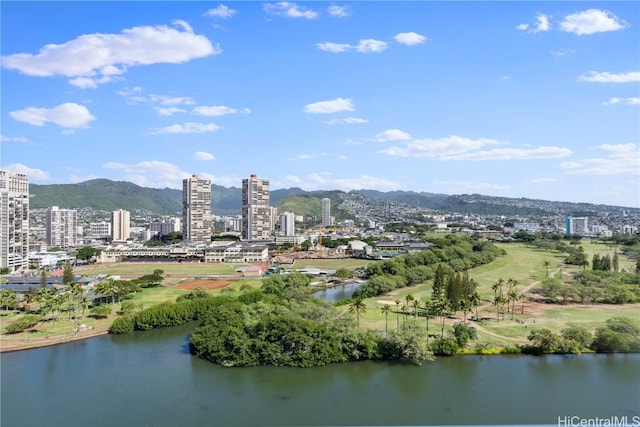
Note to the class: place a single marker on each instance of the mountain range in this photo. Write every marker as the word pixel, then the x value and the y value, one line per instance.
pixel 108 195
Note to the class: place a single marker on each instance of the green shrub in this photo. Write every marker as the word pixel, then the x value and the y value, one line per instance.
pixel 100 311
pixel 122 325
pixel 444 347
pixel 25 322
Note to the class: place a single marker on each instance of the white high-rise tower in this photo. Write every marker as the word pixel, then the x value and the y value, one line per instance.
pixel 256 213
pixel 14 221
pixel 196 210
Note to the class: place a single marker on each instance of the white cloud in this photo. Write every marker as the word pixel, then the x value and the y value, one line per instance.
pixel 410 39
pixel 203 155
pixel 460 148
pixel 342 157
pixel 608 77
pixel 392 135
pixel 319 181
pixel 592 21
pixel 93 59
pixel 189 127
pixel 338 11
pixel 347 121
pixel 563 51
pixel 67 115
pixel 4 138
pixel 371 45
pixel 627 101
pixel 151 173
pixel 221 11
pixel 329 107
pixel 505 77
pixel 289 10
pixel 471 185
pixel 622 159
pixel 542 24
pixel 438 148
pixel 135 96
pixel 217 110
pixel 334 47
pixel 513 154
pixel 169 111
pixel 32 173
pixel 363 46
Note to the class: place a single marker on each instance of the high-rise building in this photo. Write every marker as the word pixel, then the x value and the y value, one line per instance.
pixel 326 212
pixel 14 221
pixel 288 223
pixel 576 225
pixel 120 225
pixel 196 210
pixel 61 227
pixel 256 213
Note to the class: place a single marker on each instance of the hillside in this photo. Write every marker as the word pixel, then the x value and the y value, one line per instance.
pixel 104 194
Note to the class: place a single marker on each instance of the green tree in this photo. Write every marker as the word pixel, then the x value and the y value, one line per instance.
pixel 397 301
pixel 543 341
pixel 386 309
pixel 67 275
pixel 358 306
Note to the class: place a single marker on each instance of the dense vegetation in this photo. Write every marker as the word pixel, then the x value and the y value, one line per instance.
pixel 618 335
pixel 281 324
pixel 460 253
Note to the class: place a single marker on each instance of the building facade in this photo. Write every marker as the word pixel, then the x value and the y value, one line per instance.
pixel 100 230
pixel 576 225
pixel 196 210
pixel 14 221
pixel 120 225
pixel 61 227
pixel 288 224
pixel 326 212
pixel 256 213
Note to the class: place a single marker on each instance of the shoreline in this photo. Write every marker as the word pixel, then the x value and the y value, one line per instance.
pixel 7 346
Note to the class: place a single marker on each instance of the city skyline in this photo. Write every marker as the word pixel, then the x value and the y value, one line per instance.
pixel 533 99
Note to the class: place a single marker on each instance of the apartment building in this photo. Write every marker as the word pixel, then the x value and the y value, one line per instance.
pixel 256 213
pixel 14 221
pixel 61 227
pixel 196 210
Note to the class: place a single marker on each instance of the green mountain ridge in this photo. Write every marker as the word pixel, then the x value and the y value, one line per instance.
pixel 108 195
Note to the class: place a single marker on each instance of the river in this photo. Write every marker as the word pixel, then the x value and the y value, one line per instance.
pixel 150 379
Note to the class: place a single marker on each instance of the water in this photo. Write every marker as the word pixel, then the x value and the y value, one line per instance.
pixel 337 293
pixel 150 379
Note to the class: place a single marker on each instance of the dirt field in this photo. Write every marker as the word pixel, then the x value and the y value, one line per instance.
pixel 206 284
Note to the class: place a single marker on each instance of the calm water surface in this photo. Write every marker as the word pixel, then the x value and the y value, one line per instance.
pixel 150 379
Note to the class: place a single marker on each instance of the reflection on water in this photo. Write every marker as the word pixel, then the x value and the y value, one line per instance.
pixel 149 378
pixel 337 293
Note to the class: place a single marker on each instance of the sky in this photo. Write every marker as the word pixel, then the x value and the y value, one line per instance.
pixel 514 99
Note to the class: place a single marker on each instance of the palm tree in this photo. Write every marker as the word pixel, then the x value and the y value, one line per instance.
pixel 397 301
pixel 427 308
pixel 523 298
pixel 358 307
pixel 385 310
pixel 416 305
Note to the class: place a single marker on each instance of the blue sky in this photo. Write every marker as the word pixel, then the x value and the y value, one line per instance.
pixel 515 99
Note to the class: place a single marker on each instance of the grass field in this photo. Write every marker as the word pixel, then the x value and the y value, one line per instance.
pixel 142 268
pixel 521 263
